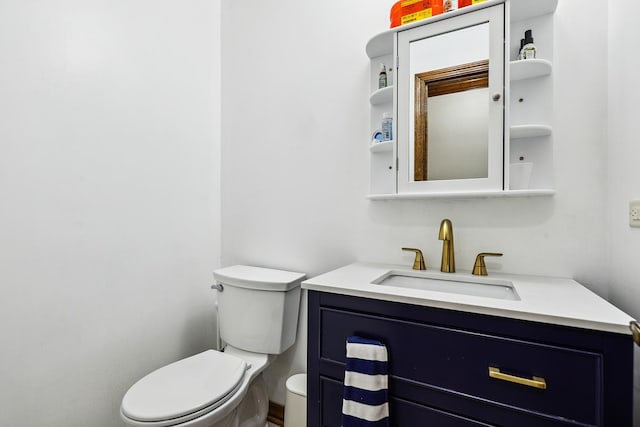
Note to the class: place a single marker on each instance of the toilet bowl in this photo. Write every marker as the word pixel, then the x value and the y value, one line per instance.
pixel 205 390
pixel 224 388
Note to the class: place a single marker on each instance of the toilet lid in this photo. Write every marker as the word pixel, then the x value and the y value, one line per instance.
pixel 184 387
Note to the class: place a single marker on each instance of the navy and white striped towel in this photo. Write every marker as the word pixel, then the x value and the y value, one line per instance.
pixel 365 402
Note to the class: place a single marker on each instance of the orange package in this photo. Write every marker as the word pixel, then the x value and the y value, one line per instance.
pixel 463 3
pixel 407 11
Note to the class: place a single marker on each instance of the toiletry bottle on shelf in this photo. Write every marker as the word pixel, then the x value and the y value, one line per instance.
pixel 520 50
pixel 529 49
pixel 382 77
pixel 387 126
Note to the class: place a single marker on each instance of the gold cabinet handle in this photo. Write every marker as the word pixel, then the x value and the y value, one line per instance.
pixel 535 382
pixel 418 263
pixel 635 331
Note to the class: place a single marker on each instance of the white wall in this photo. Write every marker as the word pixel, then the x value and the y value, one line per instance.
pixel 295 168
pixel 295 132
pixel 624 152
pixel 109 199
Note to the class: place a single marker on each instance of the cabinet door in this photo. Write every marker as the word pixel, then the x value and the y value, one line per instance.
pixel 450 86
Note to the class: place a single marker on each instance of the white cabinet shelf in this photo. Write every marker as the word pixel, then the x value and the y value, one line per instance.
pixel 542 192
pixel 529 69
pixel 527 9
pixel 529 131
pixel 381 44
pixel 382 96
pixel 381 147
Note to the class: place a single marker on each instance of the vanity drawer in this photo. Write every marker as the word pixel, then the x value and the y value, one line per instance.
pixel 457 362
pixel 401 412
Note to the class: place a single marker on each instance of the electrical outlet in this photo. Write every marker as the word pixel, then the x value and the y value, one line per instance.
pixel 634 213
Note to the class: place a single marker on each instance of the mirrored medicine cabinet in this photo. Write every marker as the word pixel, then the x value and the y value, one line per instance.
pixel 457 97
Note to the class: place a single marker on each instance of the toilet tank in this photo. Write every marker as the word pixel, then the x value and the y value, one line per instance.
pixel 258 307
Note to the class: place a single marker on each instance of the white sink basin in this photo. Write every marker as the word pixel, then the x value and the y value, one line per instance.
pixel 450 283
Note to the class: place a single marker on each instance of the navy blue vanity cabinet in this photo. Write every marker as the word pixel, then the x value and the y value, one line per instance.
pixel 439 363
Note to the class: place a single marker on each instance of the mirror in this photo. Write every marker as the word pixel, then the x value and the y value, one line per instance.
pixel 450 100
pixel 451 105
pixel 443 97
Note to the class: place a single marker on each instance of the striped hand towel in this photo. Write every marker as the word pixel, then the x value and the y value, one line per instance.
pixel 365 402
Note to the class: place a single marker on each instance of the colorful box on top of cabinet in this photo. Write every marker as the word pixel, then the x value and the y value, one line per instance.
pixel 407 11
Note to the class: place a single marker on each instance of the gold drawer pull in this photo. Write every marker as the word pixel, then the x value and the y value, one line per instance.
pixel 536 382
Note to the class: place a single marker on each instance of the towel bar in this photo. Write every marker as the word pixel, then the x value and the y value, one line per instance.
pixel 635 331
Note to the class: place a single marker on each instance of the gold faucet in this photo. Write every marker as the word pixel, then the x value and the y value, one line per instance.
pixel 418 263
pixel 448 264
pixel 479 267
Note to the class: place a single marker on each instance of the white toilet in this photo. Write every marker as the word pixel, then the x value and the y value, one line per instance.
pixel 258 317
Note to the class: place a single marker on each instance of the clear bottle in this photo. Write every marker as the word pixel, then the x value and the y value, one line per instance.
pixel 529 50
pixel 387 126
pixel 382 77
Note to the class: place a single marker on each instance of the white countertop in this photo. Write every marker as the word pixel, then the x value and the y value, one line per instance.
pixel 542 299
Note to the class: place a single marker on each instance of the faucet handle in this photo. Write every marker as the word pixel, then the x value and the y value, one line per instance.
pixel 418 263
pixel 479 267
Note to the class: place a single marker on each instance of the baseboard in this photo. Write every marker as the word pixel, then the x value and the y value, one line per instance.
pixel 276 414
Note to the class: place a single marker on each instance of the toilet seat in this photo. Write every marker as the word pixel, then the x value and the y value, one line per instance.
pixel 184 390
